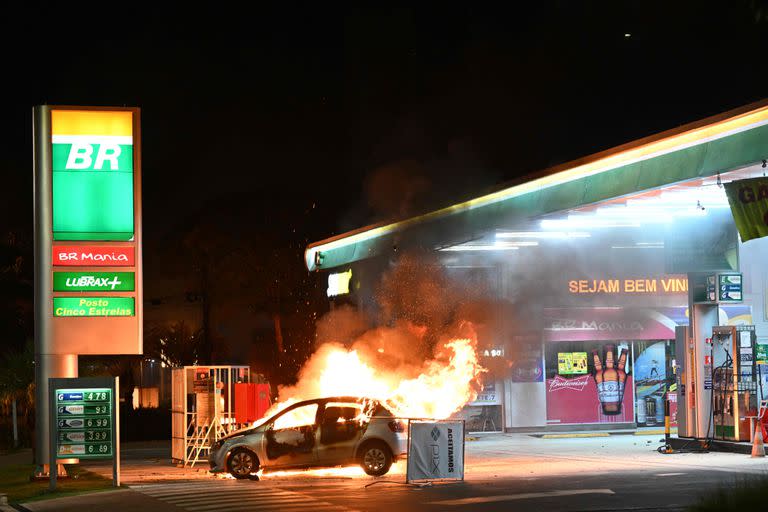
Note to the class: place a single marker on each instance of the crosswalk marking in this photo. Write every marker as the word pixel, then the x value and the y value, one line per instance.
pixel 224 495
pixel 218 504
pixel 203 501
pixel 221 491
pixel 279 506
pixel 233 496
pixel 521 496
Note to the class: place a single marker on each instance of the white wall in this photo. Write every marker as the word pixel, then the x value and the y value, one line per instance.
pixel 525 404
pixel 753 263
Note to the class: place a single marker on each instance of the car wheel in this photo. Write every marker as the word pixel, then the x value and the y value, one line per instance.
pixel 241 463
pixel 375 458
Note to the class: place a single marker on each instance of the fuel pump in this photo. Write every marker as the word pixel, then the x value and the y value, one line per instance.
pixel 731 368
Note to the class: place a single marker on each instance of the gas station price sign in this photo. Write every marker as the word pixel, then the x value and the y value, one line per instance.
pixel 723 288
pixel 729 287
pixel 84 423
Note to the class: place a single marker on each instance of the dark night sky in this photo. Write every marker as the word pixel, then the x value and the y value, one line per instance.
pixel 276 108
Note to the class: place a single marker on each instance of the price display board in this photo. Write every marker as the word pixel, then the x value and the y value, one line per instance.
pixel 729 288
pixel 724 288
pixel 84 423
pixel 84 420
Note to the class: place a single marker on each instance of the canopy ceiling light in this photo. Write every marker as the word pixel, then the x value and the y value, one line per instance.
pixel 663 208
pixel 542 234
pixel 496 246
pixel 458 248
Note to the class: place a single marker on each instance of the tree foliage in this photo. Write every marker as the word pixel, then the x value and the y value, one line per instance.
pixel 175 344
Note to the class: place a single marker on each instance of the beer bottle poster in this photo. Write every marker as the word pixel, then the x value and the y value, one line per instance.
pixel 601 395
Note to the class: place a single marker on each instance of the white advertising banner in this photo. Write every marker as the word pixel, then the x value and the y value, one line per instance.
pixel 435 450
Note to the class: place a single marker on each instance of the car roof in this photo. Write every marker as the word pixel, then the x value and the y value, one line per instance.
pixel 334 399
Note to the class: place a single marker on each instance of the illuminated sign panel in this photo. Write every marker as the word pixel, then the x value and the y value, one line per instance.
pixel 93 306
pixel 653 285
pixel 722 288
pixel 93 281
pixel 93 256
pixel 338 284
pixel 92 164
pixel 84 423
pixel 571 363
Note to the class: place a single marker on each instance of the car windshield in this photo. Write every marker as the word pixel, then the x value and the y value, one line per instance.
pixel 297 417
pixel 371 408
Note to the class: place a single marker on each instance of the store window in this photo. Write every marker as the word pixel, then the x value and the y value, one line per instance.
pixel 484 413
pixel 589 382
pixel 653 378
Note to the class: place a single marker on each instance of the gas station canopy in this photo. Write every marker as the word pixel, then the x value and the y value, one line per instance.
pixel 713 146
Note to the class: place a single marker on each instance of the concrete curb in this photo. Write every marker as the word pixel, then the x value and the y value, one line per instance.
pixel 4 506
pixel 657 432
pixel 569 436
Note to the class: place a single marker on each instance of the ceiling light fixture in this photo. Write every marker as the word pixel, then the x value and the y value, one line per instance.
pixel 542 234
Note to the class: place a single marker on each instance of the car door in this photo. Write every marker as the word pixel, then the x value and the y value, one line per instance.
pixel 290 439
pixel 340 428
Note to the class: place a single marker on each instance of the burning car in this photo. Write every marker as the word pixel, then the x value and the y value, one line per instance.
pixel 324 432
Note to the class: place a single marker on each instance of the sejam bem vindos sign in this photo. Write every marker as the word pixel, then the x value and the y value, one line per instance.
pixel 95 229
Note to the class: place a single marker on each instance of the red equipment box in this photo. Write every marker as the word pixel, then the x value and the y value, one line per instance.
pixel 251 401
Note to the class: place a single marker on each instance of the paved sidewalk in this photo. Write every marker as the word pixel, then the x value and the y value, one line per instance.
pixel 525 456
pixel 487 457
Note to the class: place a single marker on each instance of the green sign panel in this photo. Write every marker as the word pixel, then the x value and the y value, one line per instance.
pixel 729 288
pixel 84 423
pixel 93 306
pixel 92 161
pixel 749 206
pixel 85 157
pixel 93 281
pixel 761 353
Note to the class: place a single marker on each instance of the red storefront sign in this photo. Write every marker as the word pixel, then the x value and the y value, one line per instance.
pixel 575 400
pixel 93 256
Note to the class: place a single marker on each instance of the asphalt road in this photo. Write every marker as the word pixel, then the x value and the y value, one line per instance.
pixel 619 492
pixel 503 473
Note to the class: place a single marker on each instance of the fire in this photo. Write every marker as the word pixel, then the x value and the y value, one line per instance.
pixel 441 390
pixel 442 385
pixel 398 468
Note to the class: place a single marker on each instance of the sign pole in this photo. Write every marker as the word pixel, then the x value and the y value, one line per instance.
pixel 52 462
pixel 71 146
pixel 116 440
pixel 84 422
pixel 408 450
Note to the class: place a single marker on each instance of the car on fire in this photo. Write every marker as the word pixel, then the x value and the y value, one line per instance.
pixel 324 432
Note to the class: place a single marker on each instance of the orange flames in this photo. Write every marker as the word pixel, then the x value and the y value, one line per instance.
pixel 436 389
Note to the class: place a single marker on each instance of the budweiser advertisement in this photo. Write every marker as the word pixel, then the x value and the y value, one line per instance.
pixel 604 395
pixel 93 256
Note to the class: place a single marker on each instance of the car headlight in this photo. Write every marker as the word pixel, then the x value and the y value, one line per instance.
pixel 217 445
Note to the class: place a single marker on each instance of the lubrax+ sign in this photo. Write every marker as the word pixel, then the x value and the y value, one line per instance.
pixel 93 281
